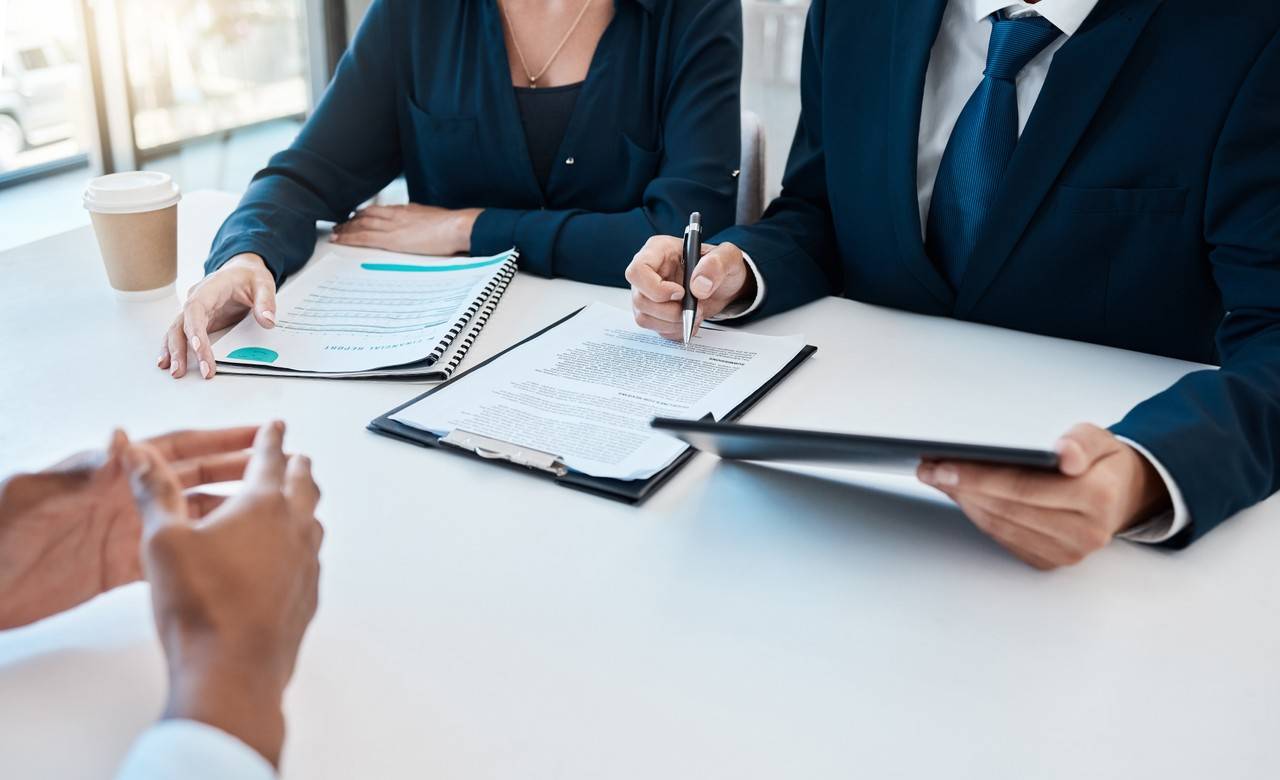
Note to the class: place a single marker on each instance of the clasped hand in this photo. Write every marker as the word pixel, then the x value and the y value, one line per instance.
pixel 234 579
pixel 72 532
pixel 234 590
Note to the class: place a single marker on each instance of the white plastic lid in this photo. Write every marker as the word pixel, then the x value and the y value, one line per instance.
pixel 131 193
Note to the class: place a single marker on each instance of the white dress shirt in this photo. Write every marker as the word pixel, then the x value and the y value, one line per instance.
pixel 956 65
pixel 190 750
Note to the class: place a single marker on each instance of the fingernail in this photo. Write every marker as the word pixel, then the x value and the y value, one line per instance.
pixel 701 286
pixel 677 295
pixel 927 475
pixel 160 360
pixel 195 342
pixel 269 316
pixel 946 476
pixel 173 371
pixel 205 371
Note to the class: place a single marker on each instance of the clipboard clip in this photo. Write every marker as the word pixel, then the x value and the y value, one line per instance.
pixel 496 449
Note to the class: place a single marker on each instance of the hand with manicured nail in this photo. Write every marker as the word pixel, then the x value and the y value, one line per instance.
pixel 721 278
pixel 1103 487
pixel 218 301
pixel 234 591
pixel 412 227
pixel 72 532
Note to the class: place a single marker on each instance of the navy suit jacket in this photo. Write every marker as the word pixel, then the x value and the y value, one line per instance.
pixel 1141 210
pixel 425 91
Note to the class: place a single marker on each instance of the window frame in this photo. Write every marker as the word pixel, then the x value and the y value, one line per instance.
pixel 111 144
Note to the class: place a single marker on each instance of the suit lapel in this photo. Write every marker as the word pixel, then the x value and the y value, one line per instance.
pixel 915 27
pixel 1079 79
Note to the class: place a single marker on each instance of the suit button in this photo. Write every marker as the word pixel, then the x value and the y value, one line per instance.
pixel 569 161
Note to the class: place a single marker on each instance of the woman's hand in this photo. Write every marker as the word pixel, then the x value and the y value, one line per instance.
pixel 72 532
pixel 414 228
pixel 220 300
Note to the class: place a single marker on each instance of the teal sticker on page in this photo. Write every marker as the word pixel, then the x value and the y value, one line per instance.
pixel 403 268
pixel 256 354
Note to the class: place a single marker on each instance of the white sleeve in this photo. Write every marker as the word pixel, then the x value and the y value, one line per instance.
pixel 736 310
pixel 191 750
pixel 1166 526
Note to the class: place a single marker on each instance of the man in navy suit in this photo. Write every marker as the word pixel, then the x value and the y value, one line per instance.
pixel 1101 170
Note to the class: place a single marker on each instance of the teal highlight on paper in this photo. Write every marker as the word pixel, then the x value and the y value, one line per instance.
pixel 432 268
pixel 256 354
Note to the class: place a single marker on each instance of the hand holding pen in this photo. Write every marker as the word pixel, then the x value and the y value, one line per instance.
pixel 658 284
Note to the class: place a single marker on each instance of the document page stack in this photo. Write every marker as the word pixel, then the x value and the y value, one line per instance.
pixel 399 316
pixel 586 390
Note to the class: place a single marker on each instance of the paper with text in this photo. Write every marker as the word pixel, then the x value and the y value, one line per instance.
pixel 343 314
pixel 586 390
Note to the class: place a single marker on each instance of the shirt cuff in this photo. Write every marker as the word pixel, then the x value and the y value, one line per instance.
pixel 741 309
pixel 193 751
pixel 1167 525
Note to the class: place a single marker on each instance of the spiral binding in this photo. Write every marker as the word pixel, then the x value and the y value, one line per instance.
pixel 500 280
pixel 496 291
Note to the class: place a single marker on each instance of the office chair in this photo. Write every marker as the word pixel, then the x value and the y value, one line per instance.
pixel 751 173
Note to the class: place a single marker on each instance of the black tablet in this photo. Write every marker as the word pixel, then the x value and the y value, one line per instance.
pixel 734 441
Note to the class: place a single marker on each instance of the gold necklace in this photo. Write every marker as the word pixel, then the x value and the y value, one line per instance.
pixel 533 77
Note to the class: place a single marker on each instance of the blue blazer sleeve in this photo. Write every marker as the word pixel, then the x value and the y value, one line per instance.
pixel 347 151
pixel 701 137
pixel 793 245
pixel 1218 432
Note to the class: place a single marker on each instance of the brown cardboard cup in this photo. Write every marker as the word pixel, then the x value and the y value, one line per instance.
pixel 135 217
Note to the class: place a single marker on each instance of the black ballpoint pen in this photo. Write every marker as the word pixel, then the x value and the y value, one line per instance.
pixel 692 253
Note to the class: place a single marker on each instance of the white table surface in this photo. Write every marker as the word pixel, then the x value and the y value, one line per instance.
pixel 746 622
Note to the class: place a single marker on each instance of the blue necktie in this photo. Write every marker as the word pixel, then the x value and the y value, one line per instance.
pixel 982 144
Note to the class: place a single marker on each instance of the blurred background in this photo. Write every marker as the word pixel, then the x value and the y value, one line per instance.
pixel 208 90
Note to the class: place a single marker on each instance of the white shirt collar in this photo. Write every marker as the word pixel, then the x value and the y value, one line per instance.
pixel 1066 15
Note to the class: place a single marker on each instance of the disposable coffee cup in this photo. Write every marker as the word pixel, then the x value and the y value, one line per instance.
pixel 135 217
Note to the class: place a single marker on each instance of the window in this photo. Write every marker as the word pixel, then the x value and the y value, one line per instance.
pixel 42 99
pixel 33 59
pixel 199 67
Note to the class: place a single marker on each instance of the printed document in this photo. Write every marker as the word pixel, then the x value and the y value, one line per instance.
pixel 343 314
pixel 586 390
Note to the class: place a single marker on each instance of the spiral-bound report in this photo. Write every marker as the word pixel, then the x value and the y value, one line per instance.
pixel 364 316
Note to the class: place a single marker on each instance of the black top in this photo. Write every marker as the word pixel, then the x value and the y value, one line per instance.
pixel 545 113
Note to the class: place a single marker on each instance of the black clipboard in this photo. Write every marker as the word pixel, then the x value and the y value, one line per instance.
pixel 542 464
pixel 733 441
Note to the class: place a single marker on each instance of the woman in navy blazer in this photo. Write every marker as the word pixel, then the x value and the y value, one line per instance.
pixel 439 92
